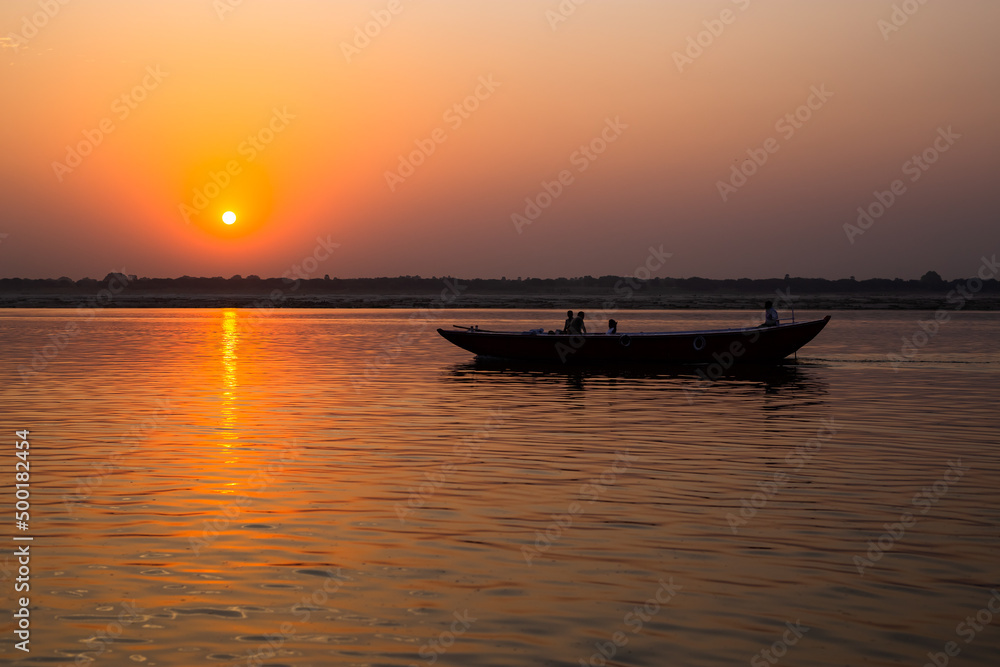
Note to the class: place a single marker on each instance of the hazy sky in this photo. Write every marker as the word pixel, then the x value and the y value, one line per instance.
pixel 739 135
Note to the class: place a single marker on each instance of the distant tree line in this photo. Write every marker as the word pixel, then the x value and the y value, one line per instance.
pixel 929 283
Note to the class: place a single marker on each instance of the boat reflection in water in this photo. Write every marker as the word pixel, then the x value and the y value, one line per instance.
pixel 804 382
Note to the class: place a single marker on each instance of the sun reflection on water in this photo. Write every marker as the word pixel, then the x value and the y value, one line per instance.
pixel 230 341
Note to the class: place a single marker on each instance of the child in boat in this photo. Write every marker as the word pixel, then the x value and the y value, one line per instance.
pixel 612 327
pixel 569 321
pixel 577 326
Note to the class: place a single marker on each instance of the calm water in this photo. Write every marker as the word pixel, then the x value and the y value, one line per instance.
pixel 346 488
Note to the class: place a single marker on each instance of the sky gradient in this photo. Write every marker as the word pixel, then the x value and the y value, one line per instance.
pixel 499 137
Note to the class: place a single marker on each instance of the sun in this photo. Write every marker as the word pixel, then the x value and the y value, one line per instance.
pixel 229 217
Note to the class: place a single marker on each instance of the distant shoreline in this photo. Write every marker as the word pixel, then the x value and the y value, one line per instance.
pixel 556 303
pixel 604 293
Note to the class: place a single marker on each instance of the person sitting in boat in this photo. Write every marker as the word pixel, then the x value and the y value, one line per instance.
pixel 770 315
pixel 577 326
pixel 569 321
pixel 612 327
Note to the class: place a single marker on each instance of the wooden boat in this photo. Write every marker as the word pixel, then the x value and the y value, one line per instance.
pixel 722 346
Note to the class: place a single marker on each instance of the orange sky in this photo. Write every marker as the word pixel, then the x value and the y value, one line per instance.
pixel 279 112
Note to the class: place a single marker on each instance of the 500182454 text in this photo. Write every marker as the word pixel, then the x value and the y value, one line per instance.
pixel 22 505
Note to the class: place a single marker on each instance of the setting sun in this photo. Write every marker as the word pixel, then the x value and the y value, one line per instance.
pixel 229 217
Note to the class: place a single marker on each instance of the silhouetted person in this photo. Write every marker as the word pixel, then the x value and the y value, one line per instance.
pixel 577 326
pixel 569 321
pixel 612 327
pixel 770 315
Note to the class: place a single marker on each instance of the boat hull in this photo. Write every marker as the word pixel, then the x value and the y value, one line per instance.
pixel 725 346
